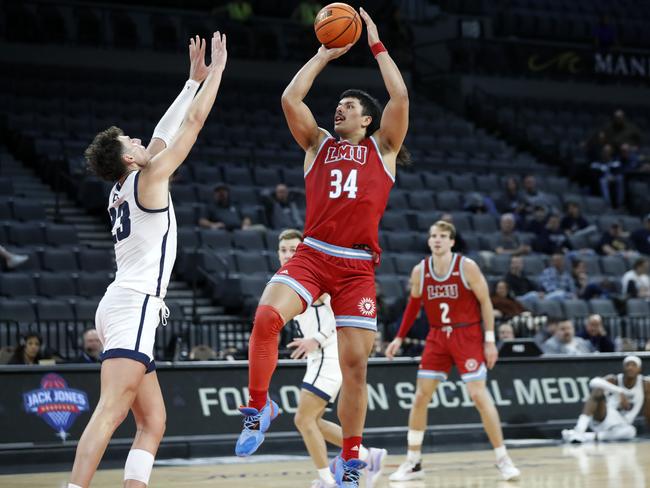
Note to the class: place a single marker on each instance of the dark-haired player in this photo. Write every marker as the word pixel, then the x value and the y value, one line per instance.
pixel 144 234
pixel 347 182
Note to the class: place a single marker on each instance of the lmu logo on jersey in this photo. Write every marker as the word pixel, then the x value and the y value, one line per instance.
pixel 442 291
pixel 346 152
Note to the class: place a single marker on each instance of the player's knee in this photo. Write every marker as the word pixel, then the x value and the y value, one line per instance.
pixel 153 424
pixel 479 397
pixel 268 321
pixel 422 397
pixel 598 395
pixel 303 421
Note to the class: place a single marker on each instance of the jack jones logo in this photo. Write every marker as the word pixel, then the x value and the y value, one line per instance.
pixel 346 152
pixel 58 405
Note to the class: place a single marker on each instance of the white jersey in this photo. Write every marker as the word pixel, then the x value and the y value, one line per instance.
pixel 145 240
pixel 635 395
pixel 317 321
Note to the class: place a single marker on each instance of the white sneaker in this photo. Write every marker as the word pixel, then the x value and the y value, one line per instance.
pixel 375 465
pixel 319 483
pixel 408 471
pixel 507 469
pixel 573 436
pixel 16 260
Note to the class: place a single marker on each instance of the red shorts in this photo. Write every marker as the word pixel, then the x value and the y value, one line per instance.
pixel 348 275
pixel 446 346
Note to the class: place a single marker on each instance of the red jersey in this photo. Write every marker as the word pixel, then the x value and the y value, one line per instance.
pixel 448 300
pixel 346 189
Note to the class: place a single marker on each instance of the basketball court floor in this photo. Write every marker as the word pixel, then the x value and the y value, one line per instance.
pixel 549 466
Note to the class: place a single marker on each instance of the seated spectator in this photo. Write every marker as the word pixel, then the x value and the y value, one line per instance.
pixel 564 341
pixel 621 130
pixel 281 209
pixel 508 242
pixel 552 240
pixel 641 237
pixel 511 199
pixel 28 350
pixel 505 306
pixel 547 331
pixel 595 333
pixel 556 281
pixel 12 260
pixel 585 289
pixel 220 213
pixel 636 283
pixel 608 170
pixel 247 224
pixel 532 196
pixel 202 352
pixel 477 203
pixel 523 288
pixel 573 221
pixel 613 242
pixel 91 347
pixel 505 332
pixel 536 222
pixel 460 245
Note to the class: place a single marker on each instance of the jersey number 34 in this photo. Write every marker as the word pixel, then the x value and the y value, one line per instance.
pixel 120 222
pixel 349 187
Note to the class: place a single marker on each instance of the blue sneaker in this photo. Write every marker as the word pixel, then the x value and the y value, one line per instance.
pixel 347 473
pixel 255 424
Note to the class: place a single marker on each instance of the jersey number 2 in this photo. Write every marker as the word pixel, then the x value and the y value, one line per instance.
pixel 444 313
pixel 350 185
pixel 122 229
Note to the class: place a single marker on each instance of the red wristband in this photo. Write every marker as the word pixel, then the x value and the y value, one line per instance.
pixel 377 48
pixel 410 314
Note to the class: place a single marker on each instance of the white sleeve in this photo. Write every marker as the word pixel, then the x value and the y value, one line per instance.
pixel 173 118
pixel 603 384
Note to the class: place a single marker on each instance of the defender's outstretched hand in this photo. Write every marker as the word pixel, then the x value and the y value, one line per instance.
pixel 333 53
pixel 198 70
pixel 371 28
pixel 219 51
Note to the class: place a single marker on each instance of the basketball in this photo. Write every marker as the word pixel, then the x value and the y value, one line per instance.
pixel 337 25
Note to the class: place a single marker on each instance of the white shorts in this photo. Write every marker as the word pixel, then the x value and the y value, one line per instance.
pixel 613 418
pixel 323 377
pixel 126 321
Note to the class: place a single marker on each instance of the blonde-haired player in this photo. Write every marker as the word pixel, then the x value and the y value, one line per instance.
pixel 316 328
pixel 456 300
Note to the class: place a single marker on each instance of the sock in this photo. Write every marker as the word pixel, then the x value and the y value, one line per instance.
pixel 351 448
pixel 413 457
pixel 414 438
pixel 326 476
pixel 363 453
pixel 583 423
pixel 263 353
pixel 72 485
pixel 139 464
pixel 500 452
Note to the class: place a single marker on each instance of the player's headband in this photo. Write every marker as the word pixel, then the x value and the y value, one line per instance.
pixel 635 359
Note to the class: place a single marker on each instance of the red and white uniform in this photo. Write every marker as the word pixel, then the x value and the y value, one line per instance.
pixel 454 314
pixel 346 188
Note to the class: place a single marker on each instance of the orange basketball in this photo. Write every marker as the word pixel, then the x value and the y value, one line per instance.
pixel 337 25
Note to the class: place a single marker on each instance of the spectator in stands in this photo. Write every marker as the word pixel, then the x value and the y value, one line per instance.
pixel 556 281
pixel 641 237
pixel 595 333
pixel 459 243
pixel 552 240
pixel 547 330
pixel 281 209
pixel 606 171
pixel 523 288
pixel 505 332
pixel 91 347
pixel 604 34
pixel 505 305
pixel 564 341
pixel 573 220
pixel 533 196
pixel 621 130
pixel 613 242
pixel 12 260
pixel 511 199
pixel 202 352
pixel 508 242
pixel 221 213
pixel 477 203
pixel 248 224
pixel 636 283
pixel 594 145
pixel 585 289
pixel 536 221
pixel 28 350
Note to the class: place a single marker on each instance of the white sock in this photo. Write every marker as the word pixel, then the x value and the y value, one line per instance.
pixel 138 466
pixel 414 437
pixel 326 476
pixel 413 457
pixel 72 485
pixel 363 452
pixel 500 452
pixel 583 423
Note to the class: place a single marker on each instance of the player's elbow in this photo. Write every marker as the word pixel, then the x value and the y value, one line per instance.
pixel 288 101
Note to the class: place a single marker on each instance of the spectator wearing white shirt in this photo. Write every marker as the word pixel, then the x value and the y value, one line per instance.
pixel 564 341
pixel 636 282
